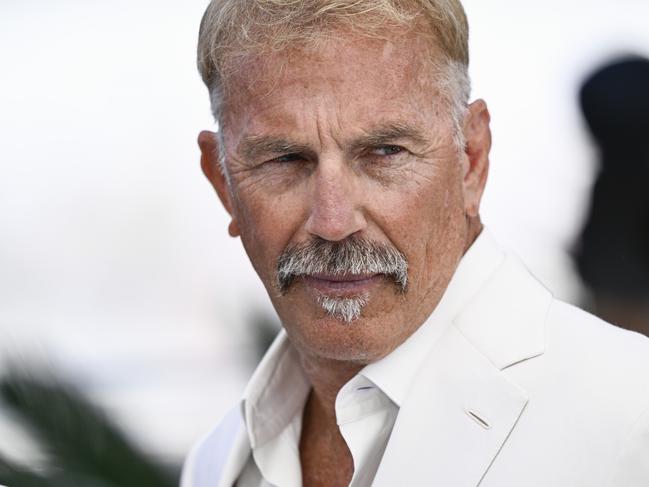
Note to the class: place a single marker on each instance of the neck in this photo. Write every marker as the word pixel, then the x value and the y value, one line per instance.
pixel 324 454
pixel 327 377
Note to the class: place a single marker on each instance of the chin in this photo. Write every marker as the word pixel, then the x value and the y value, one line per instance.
pixel 363 340
pixel 367 336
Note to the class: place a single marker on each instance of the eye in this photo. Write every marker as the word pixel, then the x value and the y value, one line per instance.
pixel 386 150
pixel 287 158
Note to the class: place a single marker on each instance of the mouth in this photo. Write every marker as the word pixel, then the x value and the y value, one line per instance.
pixel 342 285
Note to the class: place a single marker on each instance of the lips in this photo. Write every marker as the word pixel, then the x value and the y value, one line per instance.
pixel 342 285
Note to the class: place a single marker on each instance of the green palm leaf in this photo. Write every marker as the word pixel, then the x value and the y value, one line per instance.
pixel 84 447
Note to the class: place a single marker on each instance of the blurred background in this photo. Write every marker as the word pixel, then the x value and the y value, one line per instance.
pixel 116 271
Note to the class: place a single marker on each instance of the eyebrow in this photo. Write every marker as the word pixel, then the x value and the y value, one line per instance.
pixel 389 133
pixel 254 146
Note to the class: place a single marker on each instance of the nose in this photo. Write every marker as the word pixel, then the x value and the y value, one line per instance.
pixel 336 202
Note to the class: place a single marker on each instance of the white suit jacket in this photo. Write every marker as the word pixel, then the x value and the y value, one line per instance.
pixel 521 390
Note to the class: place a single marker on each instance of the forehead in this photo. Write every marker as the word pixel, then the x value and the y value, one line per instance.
pixel 347 80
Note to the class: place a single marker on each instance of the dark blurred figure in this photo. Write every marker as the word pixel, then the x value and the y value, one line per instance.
pixel 613 252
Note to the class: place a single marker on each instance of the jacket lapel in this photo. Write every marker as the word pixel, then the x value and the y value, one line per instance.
pixel 454 421
pixel 461 407
pixel 218 460
pixel 236 458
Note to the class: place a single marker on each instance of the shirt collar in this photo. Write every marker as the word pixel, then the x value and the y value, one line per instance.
pixel 394 373
pixel 276 392
pixel 278 388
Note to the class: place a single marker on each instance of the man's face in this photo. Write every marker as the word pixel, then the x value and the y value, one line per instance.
pixel 347 146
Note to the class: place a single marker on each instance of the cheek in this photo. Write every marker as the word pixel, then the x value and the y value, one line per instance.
pixel 425 222
pixel 416 212
pixel 268 223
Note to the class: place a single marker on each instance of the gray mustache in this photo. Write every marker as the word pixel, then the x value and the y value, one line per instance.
pixel 350 256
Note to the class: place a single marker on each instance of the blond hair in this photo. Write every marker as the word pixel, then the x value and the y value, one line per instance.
pixel 233 29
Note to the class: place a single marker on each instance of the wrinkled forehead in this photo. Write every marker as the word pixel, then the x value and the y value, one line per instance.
pixel 353 72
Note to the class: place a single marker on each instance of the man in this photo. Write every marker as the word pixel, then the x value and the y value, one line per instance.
pixel 414 351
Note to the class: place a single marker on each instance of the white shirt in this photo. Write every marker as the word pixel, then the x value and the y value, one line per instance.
pixel 366 407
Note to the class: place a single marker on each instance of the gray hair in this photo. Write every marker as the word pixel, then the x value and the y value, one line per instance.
pixel 233 29
pixel 343 309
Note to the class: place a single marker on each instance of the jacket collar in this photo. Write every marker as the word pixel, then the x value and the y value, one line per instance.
pixel 506 320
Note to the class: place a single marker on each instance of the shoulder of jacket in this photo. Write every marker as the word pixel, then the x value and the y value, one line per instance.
pixel 609 357
pixel 577 327
pixel 631 467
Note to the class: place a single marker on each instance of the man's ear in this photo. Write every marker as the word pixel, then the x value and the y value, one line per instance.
pixel 477 134
pixel 211 165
